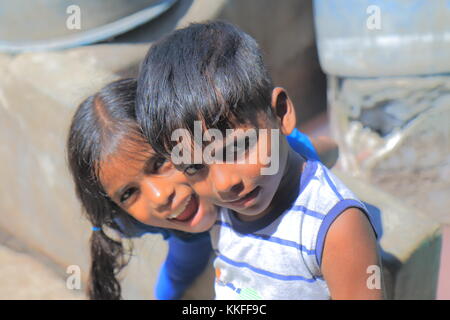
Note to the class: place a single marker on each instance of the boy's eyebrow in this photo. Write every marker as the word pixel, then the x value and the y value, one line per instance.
pixel 237 138
pixel 232 143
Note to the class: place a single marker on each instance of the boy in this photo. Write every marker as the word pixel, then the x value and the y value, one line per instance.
pixel 289 229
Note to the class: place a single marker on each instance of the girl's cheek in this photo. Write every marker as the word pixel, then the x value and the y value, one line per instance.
pixel 140 212
pixel 148 219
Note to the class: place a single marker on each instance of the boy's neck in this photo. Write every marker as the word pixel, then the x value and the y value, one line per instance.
pixel 288 188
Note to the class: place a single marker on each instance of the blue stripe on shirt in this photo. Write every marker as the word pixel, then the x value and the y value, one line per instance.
pixel 231 286
pixel 277 240
pixel 308 212
pixel 331 184
pixel 263 272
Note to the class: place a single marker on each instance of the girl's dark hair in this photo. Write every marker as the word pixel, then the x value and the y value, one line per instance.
pixel 100 123
pixel 211 72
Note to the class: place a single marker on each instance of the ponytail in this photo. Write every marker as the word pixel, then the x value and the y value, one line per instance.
pixel 107 261
pixel 91 137
pixel 108 253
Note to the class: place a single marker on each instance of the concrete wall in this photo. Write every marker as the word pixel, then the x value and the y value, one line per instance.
pixel 38 95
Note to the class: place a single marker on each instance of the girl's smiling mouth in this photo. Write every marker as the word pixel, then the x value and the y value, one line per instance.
pixel 186 211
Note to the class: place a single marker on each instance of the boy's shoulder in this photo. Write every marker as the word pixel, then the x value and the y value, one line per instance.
pixel 320 189
pixel 323 197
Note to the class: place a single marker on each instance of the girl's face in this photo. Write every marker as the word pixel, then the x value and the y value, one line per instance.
pixel 152 191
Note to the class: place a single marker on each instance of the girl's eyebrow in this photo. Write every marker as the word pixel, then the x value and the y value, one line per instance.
pixel 149 162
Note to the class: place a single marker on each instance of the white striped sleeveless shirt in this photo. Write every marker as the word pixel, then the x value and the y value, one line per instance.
pixel 279 255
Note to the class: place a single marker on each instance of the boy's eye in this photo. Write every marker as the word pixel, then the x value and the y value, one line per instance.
pixel 127 194
pixel 242 148
pixel 193 169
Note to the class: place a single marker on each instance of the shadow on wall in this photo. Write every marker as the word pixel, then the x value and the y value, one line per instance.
pixel 156 28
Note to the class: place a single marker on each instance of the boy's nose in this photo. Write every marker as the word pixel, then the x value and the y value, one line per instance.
pixel 159 195
pixel 227 185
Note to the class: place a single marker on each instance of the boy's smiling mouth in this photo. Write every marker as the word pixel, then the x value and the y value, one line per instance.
pixel 245 200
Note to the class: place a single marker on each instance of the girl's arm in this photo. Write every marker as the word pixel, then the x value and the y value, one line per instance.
pixel 322 148
pixel 349 254
pixel 327 150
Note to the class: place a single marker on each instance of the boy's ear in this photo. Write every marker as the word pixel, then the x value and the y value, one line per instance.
pixel 284 110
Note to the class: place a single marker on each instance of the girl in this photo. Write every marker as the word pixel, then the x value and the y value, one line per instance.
pixel 99 125
pixel 111 164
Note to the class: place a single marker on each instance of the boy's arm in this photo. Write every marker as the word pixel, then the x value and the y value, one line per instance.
pixel 350 249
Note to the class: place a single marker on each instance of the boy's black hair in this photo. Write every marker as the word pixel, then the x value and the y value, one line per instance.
pixel 212 72
pixel 100 123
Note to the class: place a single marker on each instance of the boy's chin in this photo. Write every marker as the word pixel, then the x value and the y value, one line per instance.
pixel 251 213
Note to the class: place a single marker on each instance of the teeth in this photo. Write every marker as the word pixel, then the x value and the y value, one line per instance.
pixel 179 210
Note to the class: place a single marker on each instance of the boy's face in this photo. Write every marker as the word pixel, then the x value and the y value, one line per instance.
pixel 242 187
pixel 153 191
pixel 247 188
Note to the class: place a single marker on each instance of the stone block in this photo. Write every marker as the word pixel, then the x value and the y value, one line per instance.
pixel 394 133
pixel 402 232
pixel 402 228
pixel 418 276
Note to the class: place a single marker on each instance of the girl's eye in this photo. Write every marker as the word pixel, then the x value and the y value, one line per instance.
pixel 158 164
pixel 193 169
pixel 154 165
pixel 127 194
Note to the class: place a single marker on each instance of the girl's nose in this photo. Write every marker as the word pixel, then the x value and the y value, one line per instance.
pixel 160 195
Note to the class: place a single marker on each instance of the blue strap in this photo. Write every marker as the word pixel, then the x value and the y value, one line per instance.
pixel 302 145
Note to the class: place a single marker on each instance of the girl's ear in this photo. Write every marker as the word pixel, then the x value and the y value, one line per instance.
pixel 284 110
